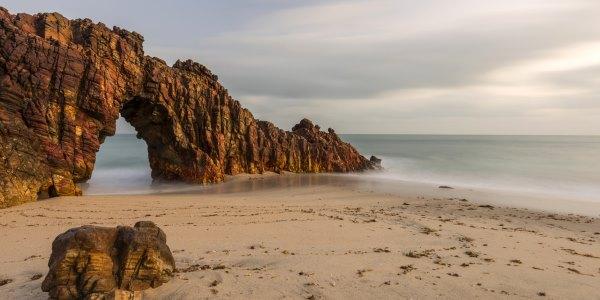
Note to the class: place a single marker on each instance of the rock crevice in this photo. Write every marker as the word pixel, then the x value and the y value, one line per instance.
pixel 63 84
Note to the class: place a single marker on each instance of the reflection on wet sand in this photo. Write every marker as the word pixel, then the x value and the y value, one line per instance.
pixel 364 182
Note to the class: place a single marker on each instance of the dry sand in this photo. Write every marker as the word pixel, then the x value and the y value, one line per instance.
pixel 326 241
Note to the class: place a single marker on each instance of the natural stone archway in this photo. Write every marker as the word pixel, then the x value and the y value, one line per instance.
pixel 64 82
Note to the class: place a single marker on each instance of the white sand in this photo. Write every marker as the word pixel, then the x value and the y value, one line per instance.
pixel 326 241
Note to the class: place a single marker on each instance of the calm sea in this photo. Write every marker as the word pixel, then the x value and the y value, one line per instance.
pixel 565 166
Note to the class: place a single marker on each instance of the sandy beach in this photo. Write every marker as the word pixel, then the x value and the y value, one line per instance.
pixel 320 241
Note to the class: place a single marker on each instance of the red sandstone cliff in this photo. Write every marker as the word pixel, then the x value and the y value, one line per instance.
pixel 64 82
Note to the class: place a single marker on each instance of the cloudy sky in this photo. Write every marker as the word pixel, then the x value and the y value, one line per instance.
pixel 400 66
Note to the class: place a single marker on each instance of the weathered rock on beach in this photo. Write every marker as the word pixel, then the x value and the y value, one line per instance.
pixel 63 84
pixel 93 262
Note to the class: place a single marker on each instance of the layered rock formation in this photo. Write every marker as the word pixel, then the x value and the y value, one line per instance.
pixel 92 262
pixel 64 82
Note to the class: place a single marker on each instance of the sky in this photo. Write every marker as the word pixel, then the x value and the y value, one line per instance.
pixel 379 66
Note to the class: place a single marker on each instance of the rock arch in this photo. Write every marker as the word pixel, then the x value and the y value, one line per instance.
pixel 64 82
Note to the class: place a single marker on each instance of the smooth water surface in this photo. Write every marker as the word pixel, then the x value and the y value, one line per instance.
pixel 562 166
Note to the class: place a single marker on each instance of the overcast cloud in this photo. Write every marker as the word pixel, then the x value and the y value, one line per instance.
pixel 468 66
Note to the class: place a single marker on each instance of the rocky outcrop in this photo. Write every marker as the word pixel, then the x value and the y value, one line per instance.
pixel 375 161
pixel 93 262
pixel 63 84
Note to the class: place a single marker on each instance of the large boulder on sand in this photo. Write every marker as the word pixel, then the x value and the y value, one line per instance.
pixel 92 262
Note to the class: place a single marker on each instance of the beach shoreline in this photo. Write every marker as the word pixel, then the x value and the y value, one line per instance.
pixel 373 181
pixel 325 240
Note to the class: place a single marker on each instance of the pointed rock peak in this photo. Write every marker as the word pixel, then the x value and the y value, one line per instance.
pixel 194 67
pixel 304 124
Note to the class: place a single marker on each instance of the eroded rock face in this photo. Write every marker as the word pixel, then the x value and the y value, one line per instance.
pixel 92 262
pixel 64 82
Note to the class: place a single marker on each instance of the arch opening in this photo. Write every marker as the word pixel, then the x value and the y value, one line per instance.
pixel 122 165
pixel 142 150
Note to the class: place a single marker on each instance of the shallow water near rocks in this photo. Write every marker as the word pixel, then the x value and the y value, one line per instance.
pixel 555 173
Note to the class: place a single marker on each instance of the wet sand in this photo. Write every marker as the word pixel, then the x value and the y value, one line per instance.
pixel 326 239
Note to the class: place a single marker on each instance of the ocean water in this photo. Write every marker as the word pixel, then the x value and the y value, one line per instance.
pixel 121 167
pixel 561 166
